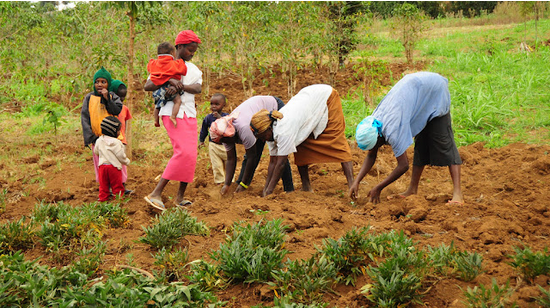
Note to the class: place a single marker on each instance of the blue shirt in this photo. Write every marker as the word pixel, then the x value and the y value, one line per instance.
pixel 208 120
pixel 410 105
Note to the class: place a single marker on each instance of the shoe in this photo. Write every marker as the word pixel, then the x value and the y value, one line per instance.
pixel 157 204
pixel 128 192
pixel 184 203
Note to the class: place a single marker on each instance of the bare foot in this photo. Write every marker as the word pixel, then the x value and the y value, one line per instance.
pixel 173 119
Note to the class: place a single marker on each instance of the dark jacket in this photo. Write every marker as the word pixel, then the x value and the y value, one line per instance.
pixel 113 107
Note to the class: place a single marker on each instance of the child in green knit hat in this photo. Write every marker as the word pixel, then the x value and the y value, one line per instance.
pixel 120 89
pixel 97 105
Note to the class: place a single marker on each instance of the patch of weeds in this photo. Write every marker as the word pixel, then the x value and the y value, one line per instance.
pixel 348 254
pixel 544 300
pixel 3 200
pixel 303 281
pixel 170 227
pixel 285 302
pixel 489 296
pixel 116 216
pixel 207 276
pixel 447 260
pixel 530 264
pixel 398 279
pixel 252 252
pixel 468 265
pixel 89 259
pixel 171 262
pixel 16 235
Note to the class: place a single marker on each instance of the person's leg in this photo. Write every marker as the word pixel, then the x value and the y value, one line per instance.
pixel 348 172
pixel 288 184
pixel 415 180
pixel 157 192
pixel 304 175
pixel 256 160
pixel 181 192
pixel 457 190
pixel 175 109
pixel 218 167
pixel 115 180
pixel 104 192
pixel 95 159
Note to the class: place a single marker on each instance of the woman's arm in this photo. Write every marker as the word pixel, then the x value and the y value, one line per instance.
pixel 276 164
pixel 230 166
pixel 400 169
pixel 369 161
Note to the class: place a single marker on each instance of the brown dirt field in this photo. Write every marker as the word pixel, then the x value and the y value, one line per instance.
pixel 506 193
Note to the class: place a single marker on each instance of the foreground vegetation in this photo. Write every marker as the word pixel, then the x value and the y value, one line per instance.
pixel 398 270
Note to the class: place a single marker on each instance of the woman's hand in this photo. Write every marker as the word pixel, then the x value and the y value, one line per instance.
pixel 374 195
pixel 353 191
pixel 105 93
pixel 224 190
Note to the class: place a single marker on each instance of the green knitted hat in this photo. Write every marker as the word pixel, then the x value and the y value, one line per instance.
pixel 102 73
pixel 115 84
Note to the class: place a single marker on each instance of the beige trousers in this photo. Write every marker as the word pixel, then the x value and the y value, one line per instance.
pixel 218 157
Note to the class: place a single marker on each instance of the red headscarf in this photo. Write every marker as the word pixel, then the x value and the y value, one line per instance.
pixel 187 37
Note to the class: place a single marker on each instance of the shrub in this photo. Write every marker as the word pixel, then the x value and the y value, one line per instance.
pixel 16 235
pixel 206 275
pixel 494 296
pixel 170 227
pixel 468 265
pixel 348 254
pixel 530 264
pixel 303 281
pixel 172 263
pixel 398 279
pixel 252 252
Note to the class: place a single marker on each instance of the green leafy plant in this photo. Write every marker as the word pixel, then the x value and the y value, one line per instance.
pixel 468 265
pixel 304 281
pixel 3 200
pixel 530 264
pixel 172 262
pixel 348 254
pixel 16 235
pixel 170 227
pixel 398 279
pixel 252 252
pixel 88 260
pixel 54 115
pixel 493 296
pixel 409 25
pixel 544 299
pixel 206 275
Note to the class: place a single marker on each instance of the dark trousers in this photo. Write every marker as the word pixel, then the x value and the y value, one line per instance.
pixel 287 172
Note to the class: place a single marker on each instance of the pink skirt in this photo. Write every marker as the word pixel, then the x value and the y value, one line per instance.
pixel 181 167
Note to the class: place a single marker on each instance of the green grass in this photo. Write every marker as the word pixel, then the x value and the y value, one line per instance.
pixel 499 95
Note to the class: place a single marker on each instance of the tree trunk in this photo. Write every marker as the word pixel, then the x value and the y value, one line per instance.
pixel 130 95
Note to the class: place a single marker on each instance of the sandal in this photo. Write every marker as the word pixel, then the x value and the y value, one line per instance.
pixel 184 203
pixel 156 203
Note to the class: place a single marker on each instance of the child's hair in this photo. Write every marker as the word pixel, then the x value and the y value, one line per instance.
pixel 165 48
pixel 110 126
pixel 220 95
